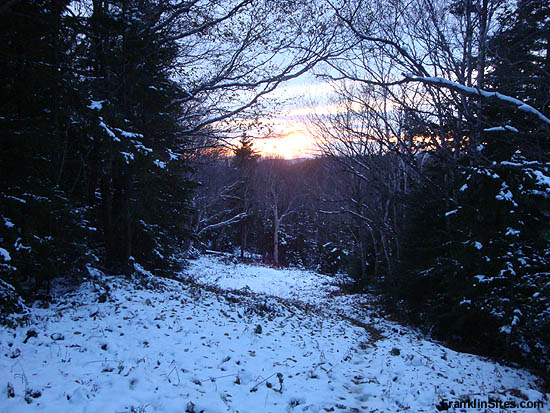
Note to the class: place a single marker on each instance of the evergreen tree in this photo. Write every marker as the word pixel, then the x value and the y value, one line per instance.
pixel 139 149
pixel 242 195
pixel 46 227
pixel 519 56
pixel 481 265
pixel 93 158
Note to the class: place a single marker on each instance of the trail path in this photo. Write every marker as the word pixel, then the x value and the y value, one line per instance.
pixel 254 339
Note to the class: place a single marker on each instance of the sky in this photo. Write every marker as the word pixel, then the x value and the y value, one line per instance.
pixel 300 98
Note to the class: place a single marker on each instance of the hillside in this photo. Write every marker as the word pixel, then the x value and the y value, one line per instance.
pixel 234 338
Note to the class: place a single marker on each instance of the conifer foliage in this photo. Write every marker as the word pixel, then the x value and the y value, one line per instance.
pixel 434 187
pixel 477 272
pixel 102 108
pixel 92 151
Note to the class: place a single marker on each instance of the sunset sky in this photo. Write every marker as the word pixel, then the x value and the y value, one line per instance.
pixel 302 97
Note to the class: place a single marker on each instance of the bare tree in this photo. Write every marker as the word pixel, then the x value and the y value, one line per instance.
pixel 410 81
pixel 234 54
pixel 430 57
pixel 372 179
pixel 279 193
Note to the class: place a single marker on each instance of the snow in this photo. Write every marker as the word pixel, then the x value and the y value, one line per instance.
pixel 505 194
pixel 36 197
pixel 454 211
pixel 542 179
pixel 141 147
pixel 128 156
pixel 96 104
pixel 9 296
pixel 94 272
pixel 501 129
pixel 520 164
pixel 8 223
pixel 173 156
pixel 109 131
pixel 127 134
pixel 479 92
pixel 5 254
pixel 23 201
pixel 19 245
pixel 511 231
pixel 285 283
pixel 486 172
pixel 285 342
pixel 159 163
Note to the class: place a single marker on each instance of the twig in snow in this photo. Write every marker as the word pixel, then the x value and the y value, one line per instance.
pixel 213 379
pixel 171 371
pixel 102 361
pixel 255 387
pixel 22 374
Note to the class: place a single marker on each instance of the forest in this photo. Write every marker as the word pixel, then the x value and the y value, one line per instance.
pixel 129 140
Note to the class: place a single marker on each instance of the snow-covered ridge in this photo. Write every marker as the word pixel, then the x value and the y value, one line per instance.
pixel 156 345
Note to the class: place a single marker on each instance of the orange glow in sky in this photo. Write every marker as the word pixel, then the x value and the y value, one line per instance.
pixel 292 141
pixel 291 138
pixel 289 135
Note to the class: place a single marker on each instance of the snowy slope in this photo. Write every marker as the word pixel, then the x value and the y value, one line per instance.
pixel 289 283
pixel 163 346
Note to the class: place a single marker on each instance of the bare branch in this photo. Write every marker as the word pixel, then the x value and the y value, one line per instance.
pixel 232 220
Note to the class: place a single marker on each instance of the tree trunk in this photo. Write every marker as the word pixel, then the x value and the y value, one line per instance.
pixel 107 200
pixel 244 236
pixel 129 220
pixel 375 249
pixel 386 253
pixel 483 20
pixel 276 224
pixel 363 255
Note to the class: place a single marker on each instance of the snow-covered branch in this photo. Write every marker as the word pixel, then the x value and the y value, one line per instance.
pixel 232 220
pixel 348 211
pixel 439 81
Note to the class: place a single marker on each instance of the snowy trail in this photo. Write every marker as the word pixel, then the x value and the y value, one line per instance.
pixel 398 369
pixel 164 346
pixel 291 283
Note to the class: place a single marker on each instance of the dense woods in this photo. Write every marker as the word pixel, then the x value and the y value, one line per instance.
pixel 102 106
pixel 127 140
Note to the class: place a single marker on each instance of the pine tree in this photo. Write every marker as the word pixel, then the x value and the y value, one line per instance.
pixel 46 234
pixel 519 56
pixel 481 265
pixel 93 158
pixel 139 151
pixel 244 163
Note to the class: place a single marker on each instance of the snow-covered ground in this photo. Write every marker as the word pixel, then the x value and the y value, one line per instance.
pixel 289 283
pixel 280 343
